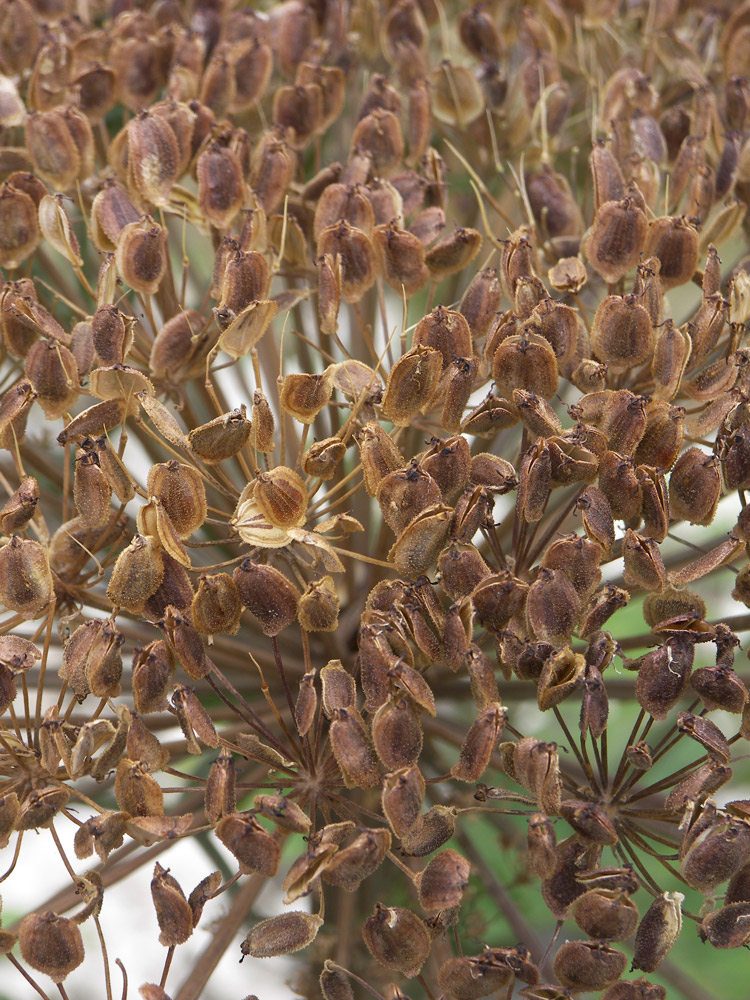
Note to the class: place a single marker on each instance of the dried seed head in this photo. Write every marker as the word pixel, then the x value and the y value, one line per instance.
pixel 397 939
pixel 25 579
pixel 356 862
pixel 588 965
pixel 51 944
pixel 541 843
pixel 173 911
pixel 658 931
pixel 281 935
pixel 662 677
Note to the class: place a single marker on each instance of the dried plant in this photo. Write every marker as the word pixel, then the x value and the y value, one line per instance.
pixel 361 363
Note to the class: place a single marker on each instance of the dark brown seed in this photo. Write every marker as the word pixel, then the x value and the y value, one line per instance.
pixel 217 606
pixel 606 914
pixel 352 749
pixel 51 944
pixel 658 931
pixel 252 845
pixel 616 238
pixel 281 935
pixel 675 242
pixel 587 965
pixel 267 594
pixel 397 939
pixel 173 912
pixel 662 677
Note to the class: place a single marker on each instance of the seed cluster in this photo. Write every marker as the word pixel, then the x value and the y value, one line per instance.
pixel 360 363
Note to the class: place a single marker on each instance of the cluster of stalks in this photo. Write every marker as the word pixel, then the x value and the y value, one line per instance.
pixel 361 362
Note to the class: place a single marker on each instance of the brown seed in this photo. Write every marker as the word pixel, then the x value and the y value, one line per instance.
pixel 621 333
pixel 142 255
pixel 136 791
pixel 352 749
pixel 112 336
pixel 334 982
pixel 51 944
pixel 588 965
pixel 662 677
pixel 273 166
pixel 303 396
pixel 397 734
pixel 53 373
pixel 537 768
pixel 220 185
pixel 562 674
pixel 453 253
pixel 153 671
pixel 137 574
pixel 173 912
pixel 318 609
pixel 417 547
pixel 20 230
pixel 20 506
pixel 674 241
pixel 442 883
pixel 356 862
pixel 403 794
pixel 715 856
pixel 616 239
pixel 221 438
pixel 552 607
pixel 606 914
pixel 267 594
pixel 217 606
pixel 480 741
pixel 153 157
pixel 525 362
pixel 397 939
pixel 180 490
pixel 541 843
pixel 25 579
pixel 251 844
pixel 658 931
pixel 281 935
pixel 282 497
pixel 91 491
pixel 431 831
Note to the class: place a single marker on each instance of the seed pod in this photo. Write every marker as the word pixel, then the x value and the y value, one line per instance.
pixel 561 675
pixel 588 965
pixel 18 219
pixel 180 490
pixel 578 558
pixel 51 944
pixel 251 844
pixel 663 676
pixel 397 733
pixel 267 595
pixel 281 935
pixel 217 606
pixel 20 507
pixel 658 931
pixel 419 544
pixel 112 337
pixel 453 253
pixel 25 579
pixel 221 438
pixel 356 862
pixel 153 671
pixel 715 856
pixel 318 609
pixel 403 794
pixel 329 291
pixel 481 302
pixel 606 914
pixel 446 331
pixel 729 926
pixel 412 383
pixel 590 821
pixel 357 258
pixel 448 461
pixel 220 185
pixel 675 242
pixel 621 333
pixel 142 255
pixel 53 149
pixel 137 574
pixel 616 238
pixel 352 750
pixel 695 487
pixel 644 566
pixel 397 939
pixel 53 373
pixel 282 497
pixel 441 884
pixel 470 978
pixel 431 831
pixel 136 791
pixel 322 458
pixel 480 741
pixel 525 363
pixel 91 491
pixel 404 494
pixel 173 912
pixel 537 768
pixel 153 157
pixel 303 396
pixel 334 982
pixel 540 843
pixel 552 607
